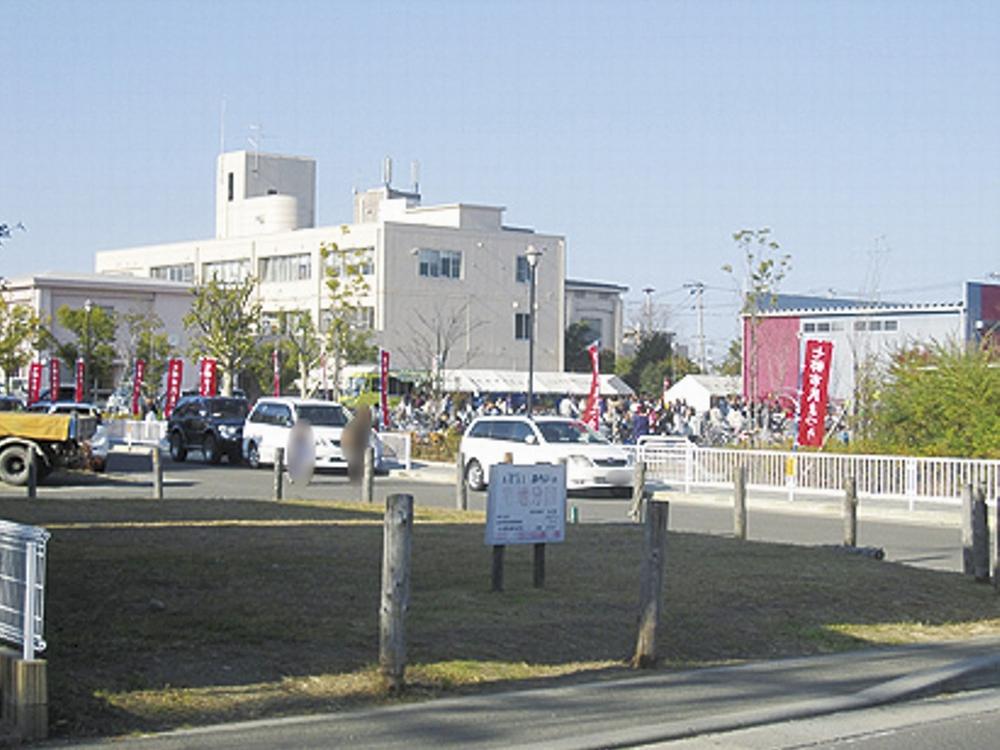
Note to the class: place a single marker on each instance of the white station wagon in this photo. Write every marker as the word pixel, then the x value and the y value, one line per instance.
pixel 591 461
pixel 269 426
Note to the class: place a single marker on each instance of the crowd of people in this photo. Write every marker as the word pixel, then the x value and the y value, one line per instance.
pixel 622 419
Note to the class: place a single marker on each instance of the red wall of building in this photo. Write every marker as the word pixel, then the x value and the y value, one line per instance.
pixel 777 344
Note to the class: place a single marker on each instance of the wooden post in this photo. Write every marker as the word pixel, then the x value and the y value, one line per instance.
pixel 279 471
pixel 154 455
pixel 967 530
pixel 32 473
pixel 538 571
pixel 496 570
pixel 996 545
pixel 980 538
pixel 740 502
pixel 368 476
pixel 461 490
pixel 638 488
pixel 25 696
pixel 397 541
pixel 851 512
pixel 651 583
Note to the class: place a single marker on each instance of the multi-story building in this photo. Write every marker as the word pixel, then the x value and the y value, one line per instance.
pixel 599 307
pixel 447 285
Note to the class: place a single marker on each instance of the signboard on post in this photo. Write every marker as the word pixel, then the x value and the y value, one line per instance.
pixel 815 384
pixel 175 374
pixel 207 377
pixel 81 374
pixel 34 382
pixel 526 504
pixel 140 371
pixel 383 358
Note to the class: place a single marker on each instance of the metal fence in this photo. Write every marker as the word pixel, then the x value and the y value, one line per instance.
pixel 908 478
pixel 397 447
pixel 22 586
pixel 136 432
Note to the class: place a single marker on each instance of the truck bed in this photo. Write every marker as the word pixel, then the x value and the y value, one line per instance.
pixel 56 428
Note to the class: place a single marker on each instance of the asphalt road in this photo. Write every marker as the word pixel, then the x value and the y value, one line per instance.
pixel 928 544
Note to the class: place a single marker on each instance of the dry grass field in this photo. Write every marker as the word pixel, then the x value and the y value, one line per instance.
pixel 177 613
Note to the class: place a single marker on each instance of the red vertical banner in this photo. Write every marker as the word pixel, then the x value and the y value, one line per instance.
pixel 34 382
pixel 55 379
pixel 208 383
pixel 592 413
pixel 815 387
pixel 276 365
pixel 140 373
pixel 383 360
pixel 175 374
pixel 81 374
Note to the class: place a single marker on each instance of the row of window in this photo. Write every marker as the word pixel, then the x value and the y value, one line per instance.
pixel 271 322
pixel 276 268
pixel 447 264
pixel 859 325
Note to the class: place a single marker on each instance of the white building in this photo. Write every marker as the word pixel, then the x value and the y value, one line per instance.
pixel 449 279
pixel 599 307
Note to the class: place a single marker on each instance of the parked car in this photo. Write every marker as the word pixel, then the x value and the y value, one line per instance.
pixel 270 424
pixel 591 461
pixel 212 425
pixel 11 403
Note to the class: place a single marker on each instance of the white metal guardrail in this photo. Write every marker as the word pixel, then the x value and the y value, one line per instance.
pixel 906 478
pixel 136 432
pixel 22 586
pixel 397 446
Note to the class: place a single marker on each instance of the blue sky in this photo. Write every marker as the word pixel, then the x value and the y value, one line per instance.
pixel 864 134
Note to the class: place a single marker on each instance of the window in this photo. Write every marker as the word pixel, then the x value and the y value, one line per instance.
pixel 286 268
pixel 443 263
pixel 823 327
pixel 232 186
pixel 859 325
pixel 522 272
pixel 595 329
pixel 226 270
pixel 180 272
pixel 361 257
pixel 522 326
pixel 808 327
pixel 363 318
pixel 875 325
pixel 891 325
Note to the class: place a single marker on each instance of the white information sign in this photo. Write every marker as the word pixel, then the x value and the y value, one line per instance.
pixel 526 504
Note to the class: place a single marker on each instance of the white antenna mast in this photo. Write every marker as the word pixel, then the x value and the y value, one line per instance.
pixel 254 141
pixel 387 171
pixel 415 175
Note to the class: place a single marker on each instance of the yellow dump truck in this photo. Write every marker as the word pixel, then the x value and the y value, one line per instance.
pixel 54 439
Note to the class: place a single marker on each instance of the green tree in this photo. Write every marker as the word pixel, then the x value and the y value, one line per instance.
pixel 95 330
pixel 224 320
pixel 764 268
pixel 654 347
pixel 733 363
pixel 258 371
pixel 145 339
pixel 347 330
pixel 303 345
pixel 20 335
pixel 940 402
pixel 576 340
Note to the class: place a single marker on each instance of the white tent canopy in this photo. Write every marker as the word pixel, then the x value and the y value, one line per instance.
pixel 699 390
pixel 546 383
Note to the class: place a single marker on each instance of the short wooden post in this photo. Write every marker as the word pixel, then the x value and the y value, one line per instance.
pixel 967 565
pixel 638 488
pixel 397 541
pixel 651 583
pixel 32 473
pixel 740 502
pixel 157 463
pixel 368 476
pixel 461 490
pixel 279 473
pixel 538 569
pixel 25 696
pixel 980 538
pixel 851 512
pixel 496 569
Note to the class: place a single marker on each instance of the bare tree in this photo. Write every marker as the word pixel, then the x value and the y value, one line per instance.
pixel 433 338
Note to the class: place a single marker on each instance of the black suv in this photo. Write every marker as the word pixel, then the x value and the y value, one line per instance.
pixel 210 424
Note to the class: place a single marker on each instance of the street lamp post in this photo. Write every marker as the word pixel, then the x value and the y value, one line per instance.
pixel 88 306
pixel 532 255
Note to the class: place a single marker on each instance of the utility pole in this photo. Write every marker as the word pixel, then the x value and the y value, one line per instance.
pixel 647 310
pixel 697 288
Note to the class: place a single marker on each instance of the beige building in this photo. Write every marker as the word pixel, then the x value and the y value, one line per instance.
pixel 599 307
pixel 444 282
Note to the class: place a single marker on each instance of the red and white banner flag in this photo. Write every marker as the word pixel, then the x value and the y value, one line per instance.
pixel 276 365
pixel 34 382
pixel 55 379
pixel 81 374
pixel 815 386
pixel 140 373
pixel 592 414
pixel 175 375
pixel 383 360
pixel 208 377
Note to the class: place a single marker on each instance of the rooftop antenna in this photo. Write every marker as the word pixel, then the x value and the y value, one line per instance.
pixel 254 141
pixel 415 176
pixel 387 171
